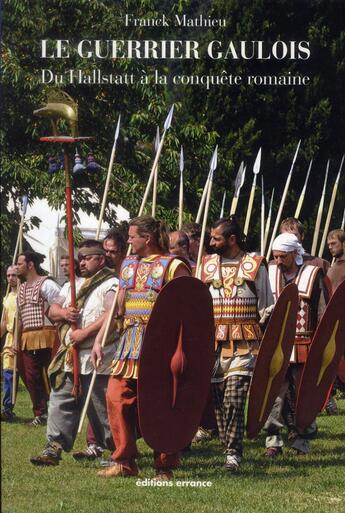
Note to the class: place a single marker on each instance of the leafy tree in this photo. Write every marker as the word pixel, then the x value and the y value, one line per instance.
pixel 238 118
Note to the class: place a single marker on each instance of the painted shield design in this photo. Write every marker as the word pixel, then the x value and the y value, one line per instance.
pixel 176 363
pixel 273 359
pixel 320 370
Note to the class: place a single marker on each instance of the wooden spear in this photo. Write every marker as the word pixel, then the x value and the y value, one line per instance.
pixel 330 210
pixel 213 166
pixel 18 249
pixel 281 204
pixel 18 243
pixel 262 216
pixel 268 222
pixel 301 198
pixel 180 203
pixel 114 303
pixel 167 125
pixel 319 213
pixel 256 169
pixel 107 183
pixel 223 204
pixel 239 181
pixel 155 178
pixel 203 199
pixel 343 221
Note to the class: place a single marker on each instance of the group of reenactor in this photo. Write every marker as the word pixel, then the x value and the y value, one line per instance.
pixel 57 346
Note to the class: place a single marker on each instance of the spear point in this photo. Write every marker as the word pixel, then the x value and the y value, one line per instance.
pixel 214 159
pixel 167 122
pixel 117 131
pixel 257 163
pixel 181 160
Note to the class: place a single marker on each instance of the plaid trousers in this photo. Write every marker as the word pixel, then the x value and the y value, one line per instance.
pixel 229 399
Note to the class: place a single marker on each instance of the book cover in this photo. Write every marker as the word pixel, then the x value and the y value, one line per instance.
pixel 243 76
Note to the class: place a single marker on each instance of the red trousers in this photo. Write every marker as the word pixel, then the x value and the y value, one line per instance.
pixel 122 414
pixel 35 365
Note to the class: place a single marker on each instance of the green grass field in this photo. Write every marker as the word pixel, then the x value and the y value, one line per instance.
pixel 311 484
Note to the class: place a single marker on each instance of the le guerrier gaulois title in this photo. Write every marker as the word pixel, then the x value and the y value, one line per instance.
pixel 174 49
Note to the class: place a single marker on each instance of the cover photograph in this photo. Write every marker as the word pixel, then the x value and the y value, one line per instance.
pixel 172 256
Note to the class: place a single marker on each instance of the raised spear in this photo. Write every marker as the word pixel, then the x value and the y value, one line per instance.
pixel 203 199
pixel 330 209
pixel 107 182
pixel 268 221
pixel 239 181
pixel 256 169
pixel 262 216
pixel 114 303
pixel 213 166
pixel 18 243
pixel 223 204
pixel 302 195
pixel 18 249
pixel 180 203
pixel 167 125
pixel 281 204
pixel 319 213
pixel 155 178
pixel 343 221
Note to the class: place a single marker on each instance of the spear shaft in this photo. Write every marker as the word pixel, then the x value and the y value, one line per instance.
pixel 150 180
pixel 319 214
pixel 107 183
pixel 262 216
pixel 343 221
pixel 281 204
pixel 256 169
pixel 155 179
pixel 180 209
pixel 330 210
pixel 239 181
pixel 181 192
pixel 69 217
pixel 250 206
pixel 213 165
pixel 268 221
pixel 155 162
pixel 223 204
pixel 234 205
pixel 203 229
pixel 203 199
pixel 302 196
pixel 114 303
pixel 19 249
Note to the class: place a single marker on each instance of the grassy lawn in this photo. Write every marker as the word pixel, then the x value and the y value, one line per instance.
pixel 315 483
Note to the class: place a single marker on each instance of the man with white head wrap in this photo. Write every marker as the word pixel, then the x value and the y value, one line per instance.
pixel 294 225
pixel 288 267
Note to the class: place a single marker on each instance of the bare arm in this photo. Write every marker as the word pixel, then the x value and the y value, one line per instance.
pixel 3 328
pixel 80 334
pixel 97 352
pixel 58 314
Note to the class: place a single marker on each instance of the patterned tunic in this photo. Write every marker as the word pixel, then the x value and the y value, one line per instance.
pixel 241 295
pixel 141 281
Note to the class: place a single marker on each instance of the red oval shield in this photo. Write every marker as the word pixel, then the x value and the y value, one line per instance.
pixel 176 364
pixel 320 370
pixel 273 359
